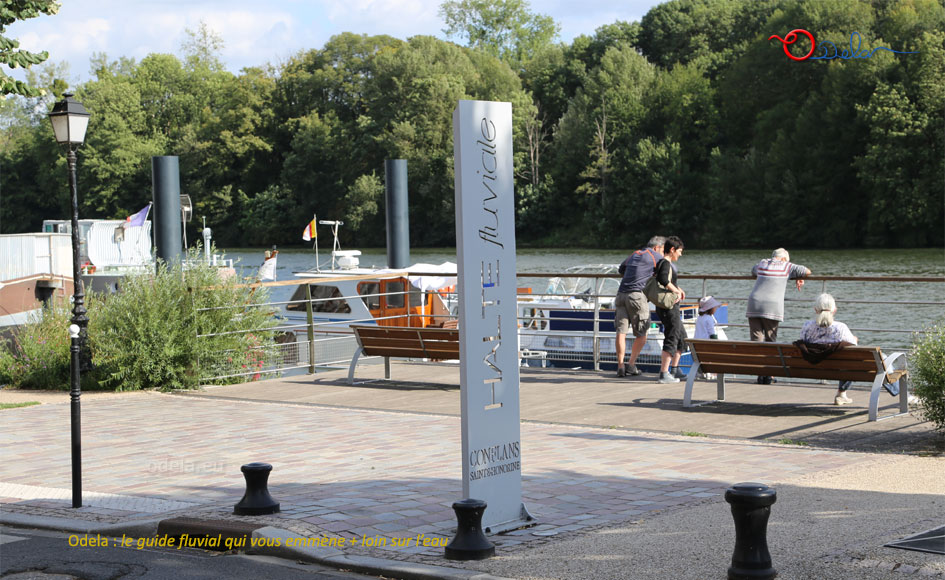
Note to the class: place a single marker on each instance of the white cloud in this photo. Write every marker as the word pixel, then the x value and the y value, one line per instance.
pixel 258 32
pixel 399 18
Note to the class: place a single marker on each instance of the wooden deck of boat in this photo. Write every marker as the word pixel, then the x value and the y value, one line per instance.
pixel 783 412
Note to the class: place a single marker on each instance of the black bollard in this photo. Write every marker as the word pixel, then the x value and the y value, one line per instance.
pixel 470 543
pixel 256 501
pixel 751 506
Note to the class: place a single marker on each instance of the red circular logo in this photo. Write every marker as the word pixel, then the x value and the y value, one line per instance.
pixel 791 38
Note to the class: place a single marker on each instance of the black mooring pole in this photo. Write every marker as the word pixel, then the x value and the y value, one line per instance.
pixel 398 215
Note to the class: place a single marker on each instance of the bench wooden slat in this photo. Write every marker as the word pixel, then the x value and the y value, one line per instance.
pixel 407 332
pixel 826 365
pixel 799 373
pixel 406 340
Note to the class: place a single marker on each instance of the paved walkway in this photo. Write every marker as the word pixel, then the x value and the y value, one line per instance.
pixel 392 471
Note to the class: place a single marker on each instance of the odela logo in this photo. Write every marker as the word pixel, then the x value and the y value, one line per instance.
pixel 830 51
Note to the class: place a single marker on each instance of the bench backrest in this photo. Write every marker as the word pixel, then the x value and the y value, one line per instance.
pixel 852 363
pixel 406 341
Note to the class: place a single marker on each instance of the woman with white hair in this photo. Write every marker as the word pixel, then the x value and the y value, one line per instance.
pixel 825 330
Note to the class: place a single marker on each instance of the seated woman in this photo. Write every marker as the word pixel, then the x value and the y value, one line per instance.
pixel 825 330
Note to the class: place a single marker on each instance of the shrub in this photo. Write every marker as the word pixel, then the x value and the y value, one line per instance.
pixel 157 333
pixel 928 373
pixel 37 354
pixel 162 328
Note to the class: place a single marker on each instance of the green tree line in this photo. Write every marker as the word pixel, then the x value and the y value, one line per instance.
pixel 689 121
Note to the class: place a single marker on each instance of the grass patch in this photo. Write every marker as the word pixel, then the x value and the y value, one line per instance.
pixel 16 405
pixel 694 434
pixel 793 442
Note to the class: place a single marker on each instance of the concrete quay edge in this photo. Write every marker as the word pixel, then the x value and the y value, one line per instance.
pixel 401 570
pixel 404 570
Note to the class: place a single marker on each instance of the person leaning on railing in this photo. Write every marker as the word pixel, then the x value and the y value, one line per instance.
pixel 766 301
pixel 631 308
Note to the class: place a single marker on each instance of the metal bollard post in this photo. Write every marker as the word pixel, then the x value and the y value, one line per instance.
pixel 470 543
pixel 256 501
pixel 751 506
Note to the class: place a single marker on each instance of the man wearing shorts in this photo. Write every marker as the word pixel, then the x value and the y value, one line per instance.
pixel 632 311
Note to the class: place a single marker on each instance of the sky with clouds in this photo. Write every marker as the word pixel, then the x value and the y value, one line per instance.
pixel 259 32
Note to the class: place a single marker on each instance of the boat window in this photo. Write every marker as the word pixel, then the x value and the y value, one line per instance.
pixel 297 302
pixel 369 294
pixel 335 302
pixel 416 297
pixel 324 299
pixel 395 293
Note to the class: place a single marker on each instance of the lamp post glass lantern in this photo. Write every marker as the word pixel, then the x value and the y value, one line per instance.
pixel 69 121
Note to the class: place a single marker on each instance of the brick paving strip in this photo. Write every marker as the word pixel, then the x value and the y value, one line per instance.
pixel 369 475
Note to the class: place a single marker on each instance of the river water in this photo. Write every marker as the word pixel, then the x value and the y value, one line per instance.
pixel 870 322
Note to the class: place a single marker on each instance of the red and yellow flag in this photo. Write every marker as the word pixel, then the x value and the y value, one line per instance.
pixel 310 232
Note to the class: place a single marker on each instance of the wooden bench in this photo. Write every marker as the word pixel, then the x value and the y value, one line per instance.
pixel 852 363
pixel 404 341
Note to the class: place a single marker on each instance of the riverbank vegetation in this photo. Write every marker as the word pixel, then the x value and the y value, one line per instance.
pixel 690 121
pixel 167 330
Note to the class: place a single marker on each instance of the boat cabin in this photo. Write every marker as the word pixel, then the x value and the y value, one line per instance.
pixel 386 301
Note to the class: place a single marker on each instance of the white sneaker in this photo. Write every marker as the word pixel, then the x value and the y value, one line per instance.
pixel 667 378
pixel 842 399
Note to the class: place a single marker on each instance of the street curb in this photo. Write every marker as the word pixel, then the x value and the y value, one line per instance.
pixel 332 557
pixel 365 564
pixel 137 528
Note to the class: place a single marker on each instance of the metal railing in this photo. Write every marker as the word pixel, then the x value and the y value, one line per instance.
pixel 313 344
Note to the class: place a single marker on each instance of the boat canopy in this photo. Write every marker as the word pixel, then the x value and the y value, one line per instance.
pixel 429 283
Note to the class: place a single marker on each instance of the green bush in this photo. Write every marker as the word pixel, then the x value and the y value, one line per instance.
pixel 928 373
pixel 166 330
pixel 161 330
pixel 37 355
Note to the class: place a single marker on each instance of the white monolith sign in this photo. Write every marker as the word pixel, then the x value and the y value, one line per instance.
pixel 488 347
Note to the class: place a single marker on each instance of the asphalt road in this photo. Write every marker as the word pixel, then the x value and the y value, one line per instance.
pixel 43 555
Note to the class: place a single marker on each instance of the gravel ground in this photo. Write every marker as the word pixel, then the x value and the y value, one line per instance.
pixel 823 526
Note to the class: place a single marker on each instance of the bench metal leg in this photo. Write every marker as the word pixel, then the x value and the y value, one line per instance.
pixel 690 379
pixel 874 397
pixel 875 394
pixel 891 362
pixel 354 363
pixel 387 367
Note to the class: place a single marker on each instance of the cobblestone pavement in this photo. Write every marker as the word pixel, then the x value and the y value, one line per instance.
pixel 368 475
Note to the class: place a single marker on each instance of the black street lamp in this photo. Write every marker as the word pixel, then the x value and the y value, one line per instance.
pixel 70 120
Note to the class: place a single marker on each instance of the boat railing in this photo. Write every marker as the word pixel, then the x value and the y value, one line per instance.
pixel 321 341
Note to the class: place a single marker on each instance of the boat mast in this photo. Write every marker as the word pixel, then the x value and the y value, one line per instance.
pixel 336 246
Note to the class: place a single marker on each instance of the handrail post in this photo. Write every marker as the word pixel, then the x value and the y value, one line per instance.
pixel 597 288
pixel 311 329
